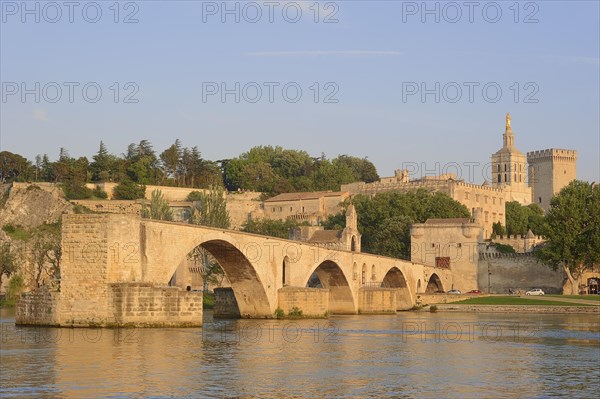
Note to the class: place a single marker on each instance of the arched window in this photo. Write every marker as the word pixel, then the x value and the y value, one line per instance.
pixel 364 274
pixel 505 177
pixel 285 276
pixel 373 274
pixel 499 178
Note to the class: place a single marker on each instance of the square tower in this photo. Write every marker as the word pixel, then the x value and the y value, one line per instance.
pixel 549 171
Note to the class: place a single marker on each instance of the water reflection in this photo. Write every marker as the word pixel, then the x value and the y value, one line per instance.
pixel 407 355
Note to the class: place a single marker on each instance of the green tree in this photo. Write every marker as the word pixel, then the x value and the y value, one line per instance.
pixel 129 190
pixel 270 227
pixel 16 285
pixel 210 210
pixel 101 167
pixel 171 162
pixel 498 230
pixel 14 167
pixel 362 169
pixel 8 262
pixel 573 231
pixel 384 220
pixel 519 218
pixel 159 208
pixel 45 253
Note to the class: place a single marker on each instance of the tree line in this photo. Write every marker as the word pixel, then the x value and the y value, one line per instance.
pixel 268 169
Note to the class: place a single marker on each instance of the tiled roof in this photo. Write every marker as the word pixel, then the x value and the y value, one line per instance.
pixel 326 236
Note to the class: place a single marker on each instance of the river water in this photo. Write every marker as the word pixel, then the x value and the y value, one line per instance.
pixel 408 355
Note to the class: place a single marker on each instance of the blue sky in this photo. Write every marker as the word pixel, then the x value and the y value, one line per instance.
pixel 368 58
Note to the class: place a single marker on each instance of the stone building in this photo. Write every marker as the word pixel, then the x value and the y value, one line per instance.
pixel 485 202
pixel 549 171
pixel 448 244
pixel 509 169
pixel 311 207
pixel 348 239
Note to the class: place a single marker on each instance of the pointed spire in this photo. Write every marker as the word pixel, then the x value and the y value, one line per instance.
pixel 509 137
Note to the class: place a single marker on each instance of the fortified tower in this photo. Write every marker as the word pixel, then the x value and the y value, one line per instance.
pixel 509 169
pixel 549 171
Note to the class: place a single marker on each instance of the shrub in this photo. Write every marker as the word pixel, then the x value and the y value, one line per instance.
pixel 16 285
pixel 295 312
pixel 75 190
pixel 129 190
pixel 194 196
pixel 504 248
pixel 99 193
pixel 433 308
pixel 16 232
pixel 279 313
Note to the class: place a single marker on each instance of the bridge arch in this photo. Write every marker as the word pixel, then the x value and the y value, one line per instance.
pixel 434 284
pixel 332 277
pixel 249 291
pixel 394 278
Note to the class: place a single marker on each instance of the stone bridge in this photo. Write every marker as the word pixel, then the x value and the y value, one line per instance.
pixel 115 270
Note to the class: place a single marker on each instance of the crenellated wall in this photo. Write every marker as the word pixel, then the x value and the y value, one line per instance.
pixel 517 272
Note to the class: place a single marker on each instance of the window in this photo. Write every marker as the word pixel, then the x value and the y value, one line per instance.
pixel 505 177
pixel 486 199
pixel 466 195
pixel 494 200
pixel 477 197
pixel 442 262
pixel 499 178
pixel 505 167
pixel 540 199
pixel 291 209
pixel 499 168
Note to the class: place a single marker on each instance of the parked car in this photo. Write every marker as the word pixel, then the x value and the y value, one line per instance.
pixel 476 292
pixel 535 291
pixel 454 292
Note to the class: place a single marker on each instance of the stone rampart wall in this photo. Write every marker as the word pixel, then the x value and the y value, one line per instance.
pixel 518 272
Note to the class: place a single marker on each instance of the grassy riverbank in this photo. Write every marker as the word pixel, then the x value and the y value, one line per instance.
pixel 516 300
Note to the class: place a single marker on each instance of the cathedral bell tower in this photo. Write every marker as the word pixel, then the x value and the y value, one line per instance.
pixel 509 168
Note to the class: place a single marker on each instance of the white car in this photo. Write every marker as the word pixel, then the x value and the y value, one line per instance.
pixel 536 291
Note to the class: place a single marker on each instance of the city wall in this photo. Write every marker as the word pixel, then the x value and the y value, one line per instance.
pixel 518 272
